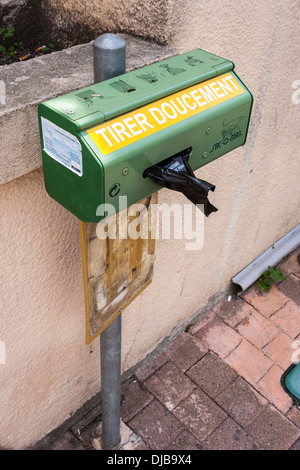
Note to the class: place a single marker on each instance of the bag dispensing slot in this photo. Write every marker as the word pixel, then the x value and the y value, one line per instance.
pixel 176 174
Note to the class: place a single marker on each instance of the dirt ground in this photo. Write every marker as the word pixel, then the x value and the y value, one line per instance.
pixel 37 26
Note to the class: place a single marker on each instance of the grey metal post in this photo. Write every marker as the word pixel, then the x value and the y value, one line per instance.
pixel 109 62
pixel 109 57
pixel 110 342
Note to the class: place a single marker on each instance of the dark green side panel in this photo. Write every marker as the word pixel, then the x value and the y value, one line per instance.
pixel 78 194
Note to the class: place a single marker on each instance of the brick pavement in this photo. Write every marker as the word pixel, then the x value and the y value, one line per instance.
pixel 217 385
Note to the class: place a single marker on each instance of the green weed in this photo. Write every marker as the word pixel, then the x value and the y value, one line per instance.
pixel 268 278
pixel 8 51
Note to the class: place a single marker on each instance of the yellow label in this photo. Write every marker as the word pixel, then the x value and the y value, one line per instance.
pixel 145 121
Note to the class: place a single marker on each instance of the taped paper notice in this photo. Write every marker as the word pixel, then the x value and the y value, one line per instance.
pixel 62 146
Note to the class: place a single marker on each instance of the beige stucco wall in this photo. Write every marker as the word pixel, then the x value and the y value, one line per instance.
pixel 143 18
pixel 49 371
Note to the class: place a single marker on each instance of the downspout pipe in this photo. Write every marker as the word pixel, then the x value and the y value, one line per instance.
pixel 270 257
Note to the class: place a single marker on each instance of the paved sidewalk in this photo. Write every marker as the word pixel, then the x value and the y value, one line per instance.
pixel 217 385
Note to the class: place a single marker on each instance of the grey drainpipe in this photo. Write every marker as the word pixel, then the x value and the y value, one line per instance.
pixel 270 257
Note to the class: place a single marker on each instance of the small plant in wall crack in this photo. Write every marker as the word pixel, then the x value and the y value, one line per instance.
pixel 12 50
pixel 267 279
pixel 6 35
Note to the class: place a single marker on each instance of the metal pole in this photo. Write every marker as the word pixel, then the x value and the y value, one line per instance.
pixel 109 57
pixel 109 62
pixel 110 342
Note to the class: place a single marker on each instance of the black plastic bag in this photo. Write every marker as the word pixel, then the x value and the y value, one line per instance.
pixel 175 173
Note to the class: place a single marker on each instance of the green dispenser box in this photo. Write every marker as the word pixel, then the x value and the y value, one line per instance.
pixel 98 142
